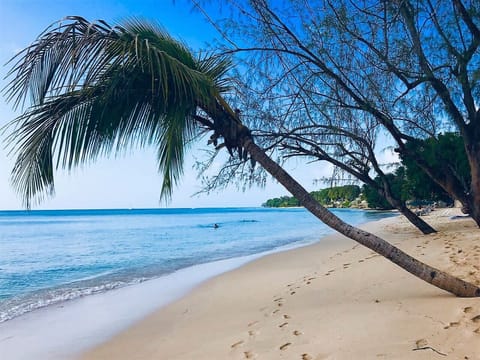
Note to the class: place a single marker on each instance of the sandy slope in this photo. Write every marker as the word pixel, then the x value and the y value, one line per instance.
pixel 332 300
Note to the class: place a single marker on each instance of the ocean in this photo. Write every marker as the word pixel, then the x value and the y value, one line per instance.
pixel 52 256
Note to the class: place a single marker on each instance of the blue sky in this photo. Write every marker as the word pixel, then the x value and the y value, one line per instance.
pixel 130 181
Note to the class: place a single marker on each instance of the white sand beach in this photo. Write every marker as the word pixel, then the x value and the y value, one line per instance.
pixel 331 300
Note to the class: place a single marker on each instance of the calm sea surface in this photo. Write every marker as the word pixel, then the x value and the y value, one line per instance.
pixel 47 257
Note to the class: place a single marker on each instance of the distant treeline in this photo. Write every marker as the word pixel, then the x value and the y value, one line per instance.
pixel 407 182
pixel 341 196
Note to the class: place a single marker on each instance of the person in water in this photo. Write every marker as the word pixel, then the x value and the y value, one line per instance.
pixel 215 226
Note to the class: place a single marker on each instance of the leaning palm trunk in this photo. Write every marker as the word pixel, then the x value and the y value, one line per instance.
pixel 97 89
pixel 423 271
pixel 241 139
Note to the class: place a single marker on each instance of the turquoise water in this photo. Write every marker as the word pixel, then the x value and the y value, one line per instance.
pixel 47 257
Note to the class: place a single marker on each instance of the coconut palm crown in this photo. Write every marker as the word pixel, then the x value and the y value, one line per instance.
pixel 96 89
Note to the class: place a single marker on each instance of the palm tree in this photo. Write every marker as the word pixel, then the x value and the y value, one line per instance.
pixel 96 89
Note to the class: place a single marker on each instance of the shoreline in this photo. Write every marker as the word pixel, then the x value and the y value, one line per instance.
pixel 330 300
pixel 110 317
pixel 49 281
pixel 101 316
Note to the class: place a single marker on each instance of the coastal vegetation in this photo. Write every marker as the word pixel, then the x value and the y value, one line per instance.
pixel 338 196
pixel 97 89
pixel 407 182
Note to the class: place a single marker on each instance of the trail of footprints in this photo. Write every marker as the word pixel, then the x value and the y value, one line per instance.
pixel 470 320
pixel 276 311
pixel 468 259
pixel 470 317
pixel 283 324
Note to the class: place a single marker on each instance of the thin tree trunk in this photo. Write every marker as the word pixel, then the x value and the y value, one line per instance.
pixel 412 217
pixel 473 155
pixel 383 190
pixel 425 272
pixel 417 221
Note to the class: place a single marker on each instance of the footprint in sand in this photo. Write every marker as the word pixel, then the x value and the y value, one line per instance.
pixel 249 355
pixel 452 324
pixel 476 319
pixel 252 323
pixel 306 357
pixel 468 309
pixel 285 346
pixel 237 344
pixel 421 343
pixel 297 333
pixel 285 316
pixel 283 325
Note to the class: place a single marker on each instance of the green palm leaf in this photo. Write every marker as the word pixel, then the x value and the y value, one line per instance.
pixel 95 89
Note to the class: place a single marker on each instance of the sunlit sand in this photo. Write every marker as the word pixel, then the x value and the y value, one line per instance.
pixel 331 300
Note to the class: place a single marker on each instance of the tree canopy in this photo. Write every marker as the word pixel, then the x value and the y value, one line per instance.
pixel 330 77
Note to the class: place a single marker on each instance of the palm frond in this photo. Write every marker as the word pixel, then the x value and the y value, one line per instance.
pixel 96 89
pixel 216 67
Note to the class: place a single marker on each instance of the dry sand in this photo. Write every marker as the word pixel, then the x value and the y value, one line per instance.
pixel 331 300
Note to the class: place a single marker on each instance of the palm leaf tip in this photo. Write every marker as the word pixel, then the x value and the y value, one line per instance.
pixel 32 175
pixel 178 132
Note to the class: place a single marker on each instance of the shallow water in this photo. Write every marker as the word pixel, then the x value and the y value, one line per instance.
pixel 47 257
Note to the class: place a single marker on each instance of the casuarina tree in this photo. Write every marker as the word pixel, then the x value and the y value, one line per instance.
pixel 409 65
